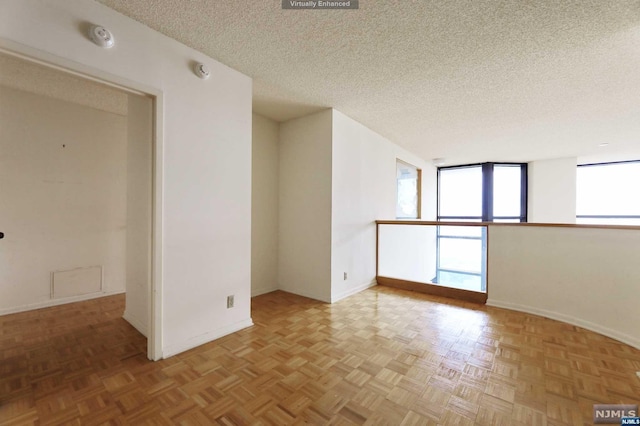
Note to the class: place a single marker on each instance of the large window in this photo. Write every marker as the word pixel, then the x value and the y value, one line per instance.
pixel 489 192
pixel 408 180
pixel 460 193
pixel 608 193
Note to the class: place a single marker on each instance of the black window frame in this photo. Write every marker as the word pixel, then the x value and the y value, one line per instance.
pixel 487 213
pixel 487 193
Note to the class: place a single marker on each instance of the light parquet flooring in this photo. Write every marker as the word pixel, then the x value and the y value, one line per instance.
pixel 383 356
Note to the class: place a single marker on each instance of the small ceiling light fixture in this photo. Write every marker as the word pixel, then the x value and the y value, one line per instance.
pixel 438 162
pixel 603 144
pixel 201 70
pixel 101 36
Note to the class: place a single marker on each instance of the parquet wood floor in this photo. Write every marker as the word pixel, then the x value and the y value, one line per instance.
pixel 383 356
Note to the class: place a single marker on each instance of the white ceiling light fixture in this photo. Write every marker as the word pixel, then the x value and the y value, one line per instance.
pixel 201 70
pixel 438 162
pixel 603 144
pixel 101 36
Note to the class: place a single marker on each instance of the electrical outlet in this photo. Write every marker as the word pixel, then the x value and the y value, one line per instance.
pixel 345 276
pixel 230 302
pixel 638 374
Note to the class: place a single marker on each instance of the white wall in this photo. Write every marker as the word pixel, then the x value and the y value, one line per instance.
pixel 205 160
pixel 587 277
pixel 363 190
pixel 552 191
pixel 139 201
pixel 304 246
pixel 336 178
pixel 403 251
pixel 264 206
pixel 63 192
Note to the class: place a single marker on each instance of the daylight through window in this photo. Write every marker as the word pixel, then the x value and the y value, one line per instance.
pixel 408 191
pixel 607 194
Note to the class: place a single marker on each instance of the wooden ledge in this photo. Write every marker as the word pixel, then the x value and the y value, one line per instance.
pixel 435 290
pixel 493 224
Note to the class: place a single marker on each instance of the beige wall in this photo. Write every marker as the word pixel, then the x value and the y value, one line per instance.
pixel 304 246
pixel 41 80
pixel 363 190
pixel 336 178
pixel 552 191
pixel 139 202
pixel 587 277
pixel 264 206
pixel 64 195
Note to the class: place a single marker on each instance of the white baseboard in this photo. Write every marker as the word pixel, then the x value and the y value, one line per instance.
pixel 260 291
pixel 605 331
pixel 353 291
pixel 171 350
pixel 56 302
pixel 135 323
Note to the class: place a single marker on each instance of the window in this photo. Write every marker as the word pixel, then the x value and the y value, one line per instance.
pixel 460 193
pixel 408 179
pixel 461 257
pixel 509 193
pixel 607 194
pixel 489 192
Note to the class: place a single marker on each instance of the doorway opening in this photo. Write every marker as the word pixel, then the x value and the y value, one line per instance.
pixel 77 188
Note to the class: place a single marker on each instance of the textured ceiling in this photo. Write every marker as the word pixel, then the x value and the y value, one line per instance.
pixel 464 80
pixel 19 74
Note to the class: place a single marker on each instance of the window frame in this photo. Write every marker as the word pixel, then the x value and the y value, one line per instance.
pixel 487 213
pixel 418 190
pixel 483 260
pixel 487 192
